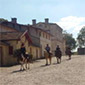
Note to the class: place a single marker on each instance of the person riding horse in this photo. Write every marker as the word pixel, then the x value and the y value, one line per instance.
pixel 23 50
pixel 68 51
pixel 58 53
pixel 58 50
pixel 48 49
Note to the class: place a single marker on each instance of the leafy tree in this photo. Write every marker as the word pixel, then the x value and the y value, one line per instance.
pixel 2 19
pixel 81 37
pixel 70 41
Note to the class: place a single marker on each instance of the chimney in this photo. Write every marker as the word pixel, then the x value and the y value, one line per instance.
pixel 46 20
pixel 34 22
pixel 14 20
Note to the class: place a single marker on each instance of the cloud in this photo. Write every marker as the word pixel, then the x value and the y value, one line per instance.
pixel 72 24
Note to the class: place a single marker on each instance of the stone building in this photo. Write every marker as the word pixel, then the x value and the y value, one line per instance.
pixel 11 37
pixel 55 30
pixel 45 37
pixel 38 36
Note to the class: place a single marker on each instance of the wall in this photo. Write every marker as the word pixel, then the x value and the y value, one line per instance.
pixel 57 38
pixel 44 41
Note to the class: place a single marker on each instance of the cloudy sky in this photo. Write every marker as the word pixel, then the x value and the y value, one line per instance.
pixel 68 14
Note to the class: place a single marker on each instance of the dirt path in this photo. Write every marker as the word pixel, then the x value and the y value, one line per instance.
pixel 69 72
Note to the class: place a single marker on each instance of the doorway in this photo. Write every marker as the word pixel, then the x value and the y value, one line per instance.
pixel 1 57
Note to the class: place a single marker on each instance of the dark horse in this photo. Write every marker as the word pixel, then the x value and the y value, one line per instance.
pixel 23 60
pixel 58 55
pixel 68 52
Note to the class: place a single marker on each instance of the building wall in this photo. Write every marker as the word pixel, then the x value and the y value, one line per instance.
pixel 57 38
pixel 6 58
pixel 29 48
pixel 45 39
pixel 9 59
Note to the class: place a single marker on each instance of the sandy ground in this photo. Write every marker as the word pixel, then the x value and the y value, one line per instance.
pixel 69 72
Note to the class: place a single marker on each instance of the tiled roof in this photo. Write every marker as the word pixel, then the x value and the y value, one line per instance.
pixel 51 24
pixel 10 35
pixel 15 26
pixel 40 29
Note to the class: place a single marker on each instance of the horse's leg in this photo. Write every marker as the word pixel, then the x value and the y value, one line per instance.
pixel 22 67
pixel 57 60
pixel 60 60
pixel 46 61
pixel 69 57
pixel 50 60
pixel 28 65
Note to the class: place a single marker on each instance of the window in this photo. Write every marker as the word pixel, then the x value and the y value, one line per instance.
pixel 43 34
pixel 40 25
pixel 49 37
pixel 13 25
pixel 10 50
pixel 36 53
pixel 46 36
pixel 39 33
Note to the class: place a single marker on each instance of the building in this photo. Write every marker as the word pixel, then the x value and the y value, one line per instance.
pixel 39 36
pixel 55 30
pixel 45 38
pixel 8 43
pixel 35 37
pixel 11 37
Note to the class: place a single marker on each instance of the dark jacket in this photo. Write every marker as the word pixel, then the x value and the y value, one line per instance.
pixel 23 50
pixel 58 52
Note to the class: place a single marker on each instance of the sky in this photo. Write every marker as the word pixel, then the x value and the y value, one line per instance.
pixel 68 14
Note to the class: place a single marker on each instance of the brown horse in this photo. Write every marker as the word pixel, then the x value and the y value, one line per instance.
pixel 48 57
pixel 68 52
pixel 58 55
pixel 23 60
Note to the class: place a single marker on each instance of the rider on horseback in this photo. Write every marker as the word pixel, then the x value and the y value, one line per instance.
pixel 48 49
pixel 58 51
pixel 23 50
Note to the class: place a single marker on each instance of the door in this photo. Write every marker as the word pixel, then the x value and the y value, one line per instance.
pixel 36 53
pixel 1 57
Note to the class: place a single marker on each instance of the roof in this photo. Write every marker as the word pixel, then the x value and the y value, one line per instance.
pixel 35 41
pixel 50 24
pixel 4 43
pixel 40 29
pixel 10 35
pixel 15 26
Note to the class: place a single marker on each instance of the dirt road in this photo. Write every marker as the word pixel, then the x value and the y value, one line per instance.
pixel 69 72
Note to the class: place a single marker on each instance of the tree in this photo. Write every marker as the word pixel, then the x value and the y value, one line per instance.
pixel 81 37
pixel 1 20
pixel 70 41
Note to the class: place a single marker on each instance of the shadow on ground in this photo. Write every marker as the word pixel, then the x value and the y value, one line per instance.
pixel 17 71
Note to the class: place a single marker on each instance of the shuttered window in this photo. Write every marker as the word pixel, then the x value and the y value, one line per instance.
pixel 10 50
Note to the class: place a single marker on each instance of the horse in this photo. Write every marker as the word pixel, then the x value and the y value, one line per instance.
pixel 23 60
pixel 68 52
pixel 48 56
pixel 58 55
